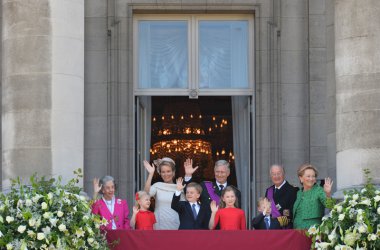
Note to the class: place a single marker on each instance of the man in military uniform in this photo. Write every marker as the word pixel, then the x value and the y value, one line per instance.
pixel 212 189
pixel 282 196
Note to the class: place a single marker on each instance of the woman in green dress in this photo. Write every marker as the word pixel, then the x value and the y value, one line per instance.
pixel 309 207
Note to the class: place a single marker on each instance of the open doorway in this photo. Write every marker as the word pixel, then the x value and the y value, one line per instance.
pixel 200 129
pixel 236 137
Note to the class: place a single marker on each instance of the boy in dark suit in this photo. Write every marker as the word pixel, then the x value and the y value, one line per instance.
pixel 192 214
pixel 264 220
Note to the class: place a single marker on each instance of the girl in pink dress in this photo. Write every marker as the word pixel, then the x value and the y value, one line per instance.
pixel 227 215
pixel 142 218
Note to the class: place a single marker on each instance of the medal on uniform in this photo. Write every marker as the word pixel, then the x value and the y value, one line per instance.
pixel 286 212
pixel 278 206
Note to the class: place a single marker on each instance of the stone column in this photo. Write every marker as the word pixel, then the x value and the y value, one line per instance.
pixel 42 97
pixel 357 68
pixel 317 81
pixel 1 80
pixel 294 87
pixel 330 103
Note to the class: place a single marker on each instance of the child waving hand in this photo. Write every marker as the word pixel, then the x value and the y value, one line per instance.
pixel 142 218
pixel 227 215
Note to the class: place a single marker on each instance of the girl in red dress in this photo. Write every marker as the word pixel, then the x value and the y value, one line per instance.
pixel 142 218
pixel 227 215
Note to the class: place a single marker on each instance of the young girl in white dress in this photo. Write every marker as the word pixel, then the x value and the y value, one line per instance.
pixel 167 218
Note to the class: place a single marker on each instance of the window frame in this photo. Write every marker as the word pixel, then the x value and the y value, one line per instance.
pixel 193 89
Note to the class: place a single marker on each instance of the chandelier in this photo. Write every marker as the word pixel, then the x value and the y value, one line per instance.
pixel 182 132
pixel 179 132
pixel 189 148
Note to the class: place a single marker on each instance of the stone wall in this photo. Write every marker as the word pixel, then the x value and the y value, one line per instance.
pixel 290 45
pixel 26 89
pixel 42 88
pixel 1 84
pixel 330 104
pixel 67 86
pixel 357 71
pixel 317 85
pixel 295 134
pixel 96 96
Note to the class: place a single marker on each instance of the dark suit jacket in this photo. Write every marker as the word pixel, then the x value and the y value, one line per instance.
pixel 259 223
pixel 285 196
pixel 186 217
pixel 205 197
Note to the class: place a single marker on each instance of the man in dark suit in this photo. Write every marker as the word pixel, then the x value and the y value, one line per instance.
pixel 264 220
pixel 212 190
pixel 281 194
pixel 192 215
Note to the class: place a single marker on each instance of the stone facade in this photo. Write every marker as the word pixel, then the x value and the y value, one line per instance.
pixel 68 100
pixel 357 72
pixel 42 88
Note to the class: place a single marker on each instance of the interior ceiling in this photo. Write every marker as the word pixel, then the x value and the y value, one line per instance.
pixel 220 105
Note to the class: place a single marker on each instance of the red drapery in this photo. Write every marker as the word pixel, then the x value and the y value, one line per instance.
pixel 211 240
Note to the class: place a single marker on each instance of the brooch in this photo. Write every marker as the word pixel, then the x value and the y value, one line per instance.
pixel 118 201
pixel 278 206
pixel 286 212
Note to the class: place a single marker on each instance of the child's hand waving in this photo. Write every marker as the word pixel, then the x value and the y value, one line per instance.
pixel 180 185
pixel 135 210
pixel 214 207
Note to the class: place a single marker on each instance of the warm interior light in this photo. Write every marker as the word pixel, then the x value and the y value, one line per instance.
pixel 179 136
pixel 189 147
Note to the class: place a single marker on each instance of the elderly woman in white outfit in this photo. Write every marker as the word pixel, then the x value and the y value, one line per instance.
pixel 167 218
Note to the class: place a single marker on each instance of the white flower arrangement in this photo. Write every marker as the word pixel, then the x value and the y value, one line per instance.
pixel 351 224
pixel 48 215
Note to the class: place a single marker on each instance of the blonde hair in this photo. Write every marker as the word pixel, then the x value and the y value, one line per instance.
pixel 166 161
pixel 139 195
pixel 196 186
pixel 261 200
pixel 222 204
pixel 301 170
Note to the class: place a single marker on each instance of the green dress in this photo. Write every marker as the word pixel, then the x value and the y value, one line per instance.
pixel 309 207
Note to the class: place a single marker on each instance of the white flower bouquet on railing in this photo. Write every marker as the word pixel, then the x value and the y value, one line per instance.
pixel 352 223
pixel 48 215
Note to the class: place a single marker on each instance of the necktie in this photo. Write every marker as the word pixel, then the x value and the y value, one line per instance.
pixel 194 211
pixel 221 187
pixel 266 219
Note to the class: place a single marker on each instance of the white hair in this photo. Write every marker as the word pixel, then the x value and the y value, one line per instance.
pixel 277 166
pixel 104 180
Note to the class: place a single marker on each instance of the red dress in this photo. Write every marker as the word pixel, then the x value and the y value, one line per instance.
pixel 230 219
pixel 145 220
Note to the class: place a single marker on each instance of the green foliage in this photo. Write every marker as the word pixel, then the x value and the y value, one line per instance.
pixel 48 215
pixel 352 223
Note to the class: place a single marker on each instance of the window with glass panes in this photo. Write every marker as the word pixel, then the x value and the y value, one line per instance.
pixel 178 53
